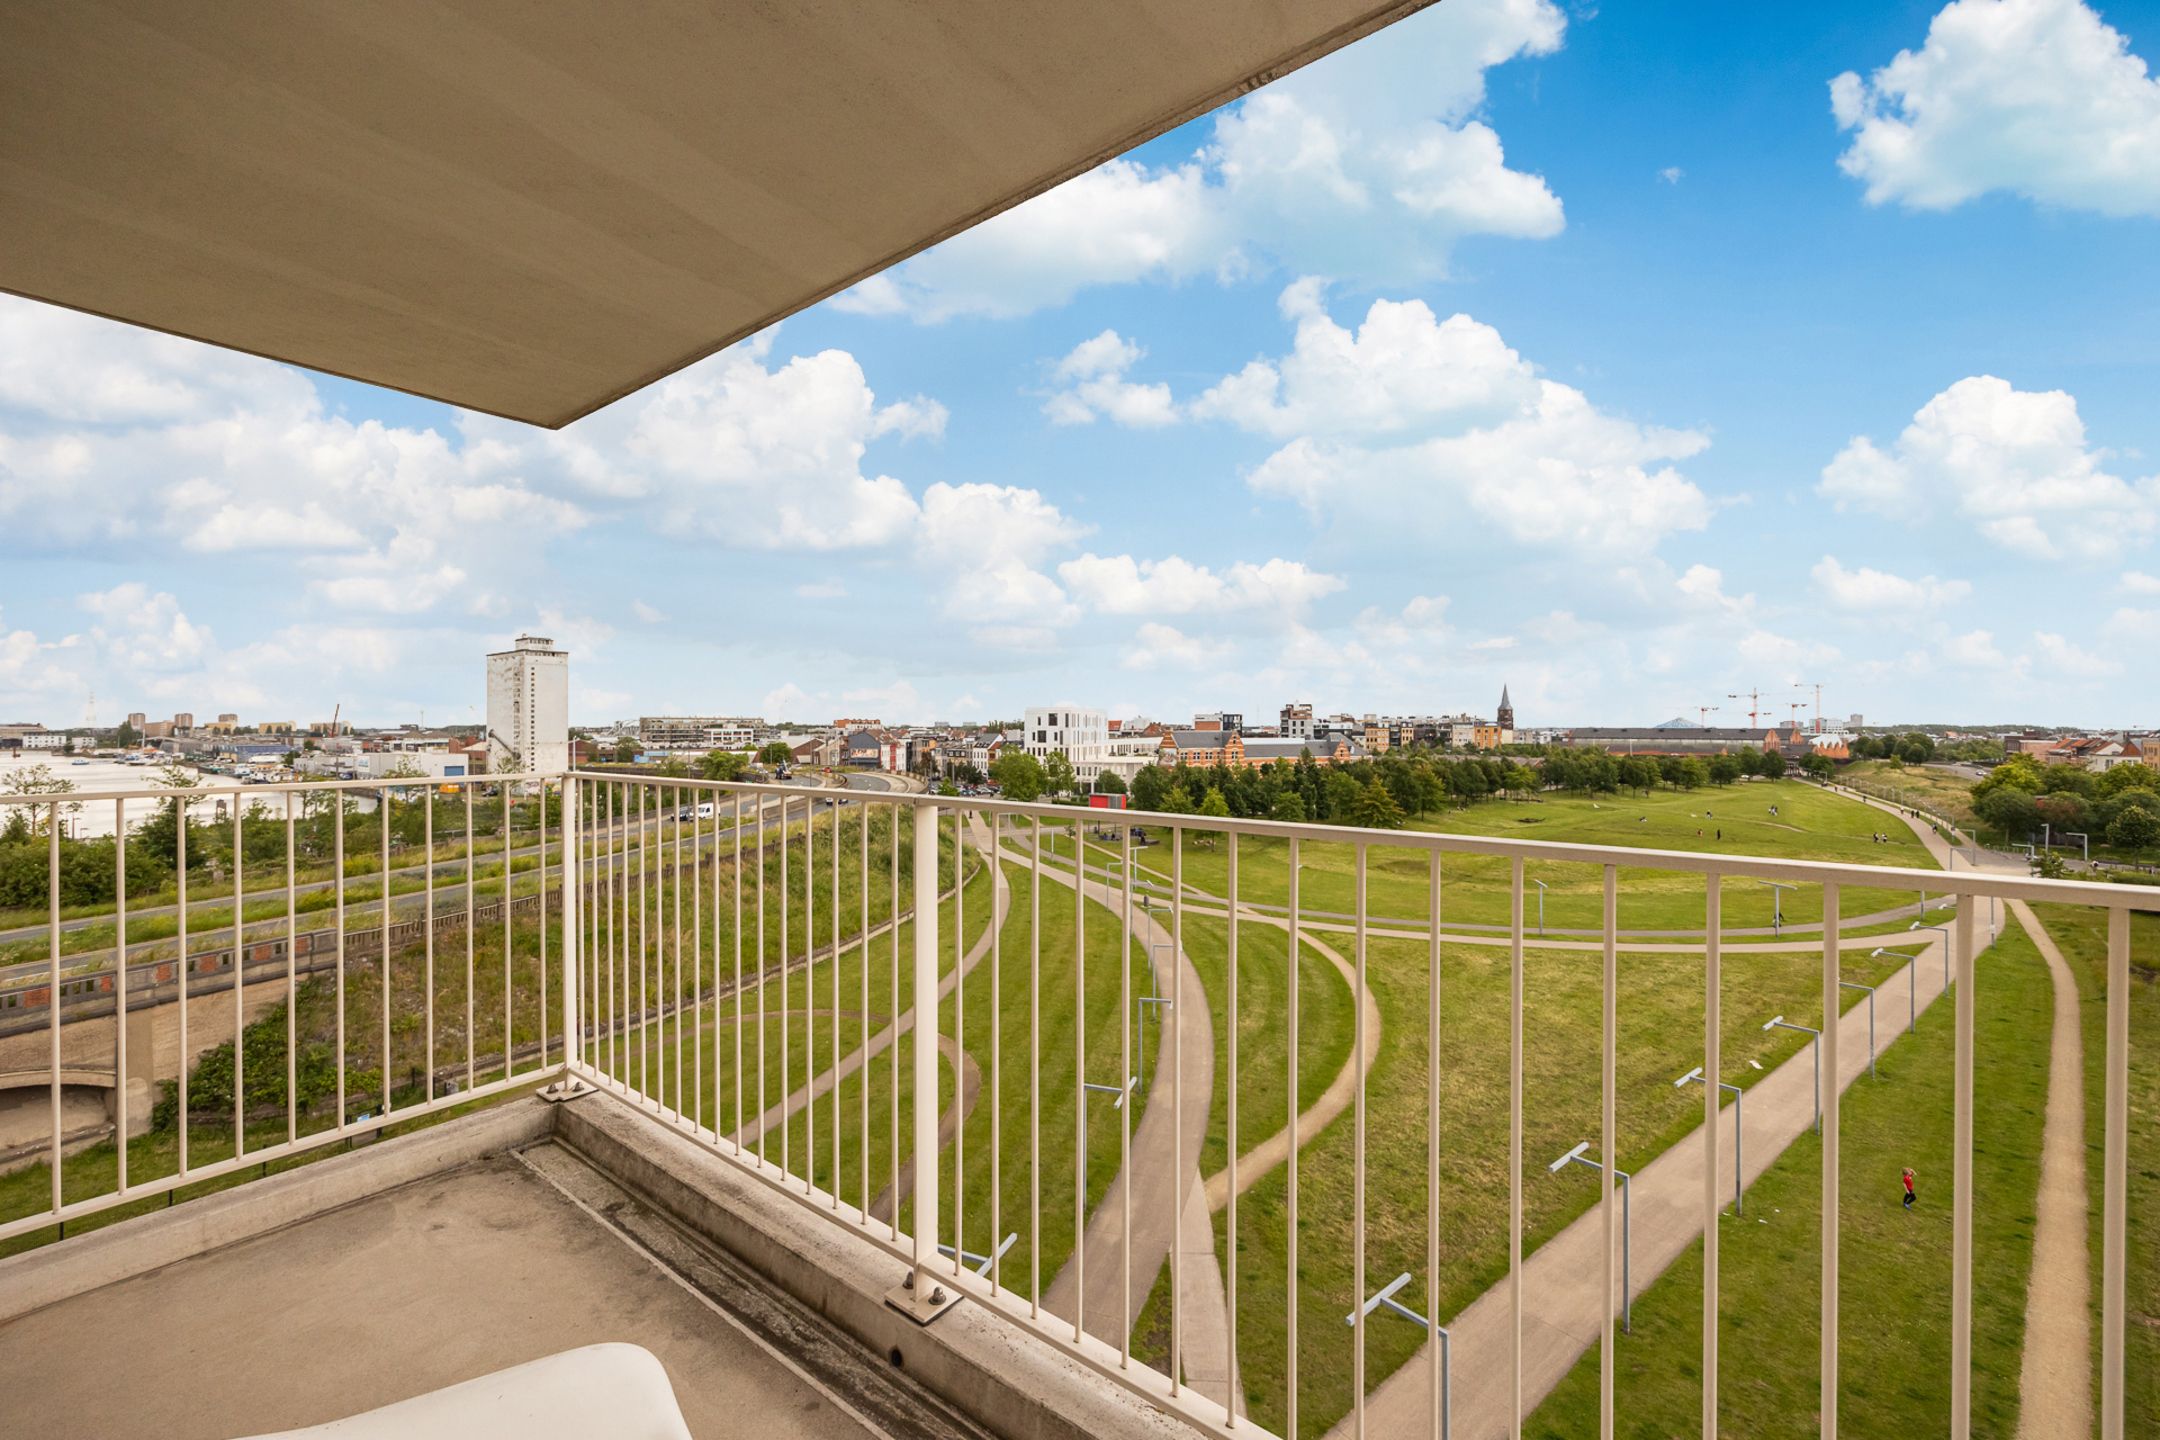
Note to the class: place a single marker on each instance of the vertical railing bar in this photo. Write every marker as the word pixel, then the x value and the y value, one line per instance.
pixel 758 1107
pixel 1608 1143
pixel 292 980
pixel 1125 1073
pixel 1827 1402
pixel 1961 1221
pixel 382 823
pixel 1290 1229
pixel 1713 1192
pixel 863 1089
pixel 427 929
pixel 2115 1175
pixel 787 1068
pixel 120 987
pixel 52 1000
pixel 646 798
pixel 508 911
pixel 997 1092
pixel 1080 1090
pixel 1434 1351
pixel 1035 1081
pixel 678 802
pixel 180 826
pixel 239 986
pixel 809 1005
pixel 893 1217
pixel 959 1219
pixel 836 1137
pixel 759 812
pixel 541 799
pixel 697 951
pixel 924 1139
pixel 472 885
pixel 1357 1161
pixel 1177 1102
pixel 1230 1248
pixel 1515 1146
pixel 338 863
pixel 614 932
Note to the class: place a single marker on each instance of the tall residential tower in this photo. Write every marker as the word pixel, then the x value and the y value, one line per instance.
pixel 528 707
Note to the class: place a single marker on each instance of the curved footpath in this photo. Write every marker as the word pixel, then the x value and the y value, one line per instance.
pixel 1169 1202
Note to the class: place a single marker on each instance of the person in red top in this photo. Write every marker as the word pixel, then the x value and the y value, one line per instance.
pixel 1908 1188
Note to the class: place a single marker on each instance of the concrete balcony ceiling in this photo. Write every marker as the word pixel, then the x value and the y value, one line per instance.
pixel 533 210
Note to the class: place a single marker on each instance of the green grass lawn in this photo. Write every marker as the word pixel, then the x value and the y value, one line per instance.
pixel 1946 793
pixel 2081 935
pixel 1894 1267
pixel 1660 1007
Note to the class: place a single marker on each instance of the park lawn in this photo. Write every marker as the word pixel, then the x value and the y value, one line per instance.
pixel 1811 824
pixel 1894 1268
pixel 1660 1009
pixel 2081 934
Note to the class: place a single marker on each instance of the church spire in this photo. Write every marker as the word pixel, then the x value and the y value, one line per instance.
pixel 1506 718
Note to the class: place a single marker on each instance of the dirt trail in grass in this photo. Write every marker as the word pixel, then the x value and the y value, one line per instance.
pixel 1274 1150
pixel 2054 1379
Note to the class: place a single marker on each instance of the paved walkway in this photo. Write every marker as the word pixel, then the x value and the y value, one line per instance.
pixel 1169 1206
pixel 2055 1378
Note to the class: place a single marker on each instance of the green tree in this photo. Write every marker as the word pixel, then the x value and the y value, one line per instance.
pixel 774 752
pixel 1214 806
pixel 1109 783
pixel 2135 828
pixel 626 751
pixel 1375 808
pixel 722 765
pixel 1150 785
pixel 1019 775
pixel 1289 807
pixel 675 768
pixel 1057 773
pixel 1818 765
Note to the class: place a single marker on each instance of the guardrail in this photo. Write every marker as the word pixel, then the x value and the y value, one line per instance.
pixel 802 1007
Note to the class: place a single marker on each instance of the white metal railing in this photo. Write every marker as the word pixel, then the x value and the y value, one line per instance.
pixel 797 905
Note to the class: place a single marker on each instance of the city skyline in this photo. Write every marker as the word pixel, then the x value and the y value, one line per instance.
pixel 1565 374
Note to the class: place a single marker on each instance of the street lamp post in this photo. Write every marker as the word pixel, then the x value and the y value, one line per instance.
pixel 1738 1095
pixel 1779 1022
pixel 1944 931
pixel 1385 1300
pixel 1540 905
pixel 1777 904
pixel 1627 1229
pixel 1856 985
pixel 1148 1004
pixel 1912 989
pixel 2084 843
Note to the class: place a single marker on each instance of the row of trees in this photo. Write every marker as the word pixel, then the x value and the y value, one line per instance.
pixel 2119 806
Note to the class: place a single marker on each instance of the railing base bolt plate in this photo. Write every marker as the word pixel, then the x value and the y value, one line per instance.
pixel 567 1088
pixel 922 1311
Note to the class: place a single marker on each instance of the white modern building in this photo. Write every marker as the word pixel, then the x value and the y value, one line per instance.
pixel 528 707
pixel 1082 735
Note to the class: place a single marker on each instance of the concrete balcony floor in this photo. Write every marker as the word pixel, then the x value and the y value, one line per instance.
pixel 505 1259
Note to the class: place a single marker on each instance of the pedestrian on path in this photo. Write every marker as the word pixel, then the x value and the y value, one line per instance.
pixel 1908 1188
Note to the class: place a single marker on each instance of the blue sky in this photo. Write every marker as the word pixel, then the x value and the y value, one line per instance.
pixel 1630 356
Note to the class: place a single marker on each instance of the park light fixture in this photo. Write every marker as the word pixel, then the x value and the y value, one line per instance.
pixel 1912 987
pixel 1777 904
pixel 1779 1022
pixel 1856 985
pixel 1151 1005
pixel 1540 905
pixel 1944 931
pixel 1579 1156
pixel 1738 1095
pixel 1384 1299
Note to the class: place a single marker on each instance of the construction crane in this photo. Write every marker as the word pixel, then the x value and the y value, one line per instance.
pixel 1816 686
pixel 1754 706
pixel 1702 716
pixel 1796 706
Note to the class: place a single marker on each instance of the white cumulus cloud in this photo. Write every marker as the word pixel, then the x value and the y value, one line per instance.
pixel 2015 464
pixel 2039 98
pixel 1865 589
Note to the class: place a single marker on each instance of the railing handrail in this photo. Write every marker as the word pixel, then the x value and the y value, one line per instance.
pixel 1948 882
